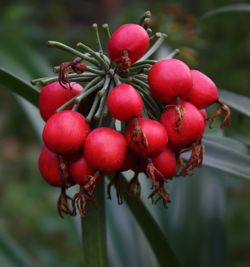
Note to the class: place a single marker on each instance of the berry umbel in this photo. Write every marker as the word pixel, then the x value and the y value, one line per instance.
pixel 111 111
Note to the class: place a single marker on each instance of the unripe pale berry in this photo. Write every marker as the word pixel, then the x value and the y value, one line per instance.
pixel 65 132
pixel 130 37
pixel 170 78
pixel 53 95
pixel 124 102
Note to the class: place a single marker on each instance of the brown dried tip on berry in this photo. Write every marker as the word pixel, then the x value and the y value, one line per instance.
pixel 77 66
pixel 180 116
pixel 195 160
pixel 134 187
pixel 124 62
pixel 137 135
pixel 115 182
pixel 162 193
pixel 225 110
pixel 63 205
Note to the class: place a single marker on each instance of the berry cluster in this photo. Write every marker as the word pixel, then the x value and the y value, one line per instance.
pixel 133 113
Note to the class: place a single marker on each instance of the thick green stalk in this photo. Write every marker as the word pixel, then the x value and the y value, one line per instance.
pixel 94 231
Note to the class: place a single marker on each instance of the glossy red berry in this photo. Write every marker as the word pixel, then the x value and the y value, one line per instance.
pixel 132 38
pixel 80 171
pixel 204 92
pixel 165 163
pixel 53 95
pixel 105 149
pixel 49 166
pixel 203 112
pixel 170 78
pixel 65 132
pixel 191 129
pixel 124 102
pixel 154 133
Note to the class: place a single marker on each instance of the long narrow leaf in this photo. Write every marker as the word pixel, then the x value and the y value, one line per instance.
pixel 226 158
pixel 236 101
pixel 226 9
pixel 18 86
pixel 157 240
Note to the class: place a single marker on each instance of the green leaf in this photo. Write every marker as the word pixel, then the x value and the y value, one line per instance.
pixel 156 238
pixel 14 252
pixel 236 101
pixel 18 86
pixel 94 231
pixel 226 157
pixel 226 9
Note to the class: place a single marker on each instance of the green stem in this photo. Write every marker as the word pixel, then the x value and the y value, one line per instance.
pixel 94 54
pixel 95 27
pixel 71 50
pixel 173 54
pixel 104 93
pixel 77 99
pixel 140 82
pixel 92 70
pixel 106 30
pixel 93 108
pixel 72 76
pixel 94 231
pixel 140 63
pixel 156 45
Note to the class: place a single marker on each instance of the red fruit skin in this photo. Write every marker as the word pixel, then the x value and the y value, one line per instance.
pixel 80 171
pixel 49 167
pixel 204 92
pixel 155 134
pixel 129 162
pixel 53 95
pixel 191 130
pixel 105 150
pixel 65 132
pixel 165 163
pixel 170 78
pixel 131 37
pixel 203 113
pixel 124 102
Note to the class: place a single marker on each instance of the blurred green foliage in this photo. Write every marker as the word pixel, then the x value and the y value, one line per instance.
pixel 208 222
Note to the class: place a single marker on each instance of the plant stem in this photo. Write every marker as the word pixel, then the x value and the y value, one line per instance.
pixel 106 30
pixel 100 72
pixel 156 45
pixel 93 108
pixel 94 231
pixel 173 54
pixel 94 54
pixel 95 27
pixel 77 99
pixel 72 51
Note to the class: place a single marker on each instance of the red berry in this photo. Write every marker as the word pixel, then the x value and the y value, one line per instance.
pixel 65 132
pixel 105 149
pixel 154 133
pixel 203 112
pixel 191 129
pixel 53 95
pixel 165 163
pixel 204 92
pixel 124 102
pixel 80 171
pixel 130 37
pixel 129 162
pixel 170 78
pixel 49 166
